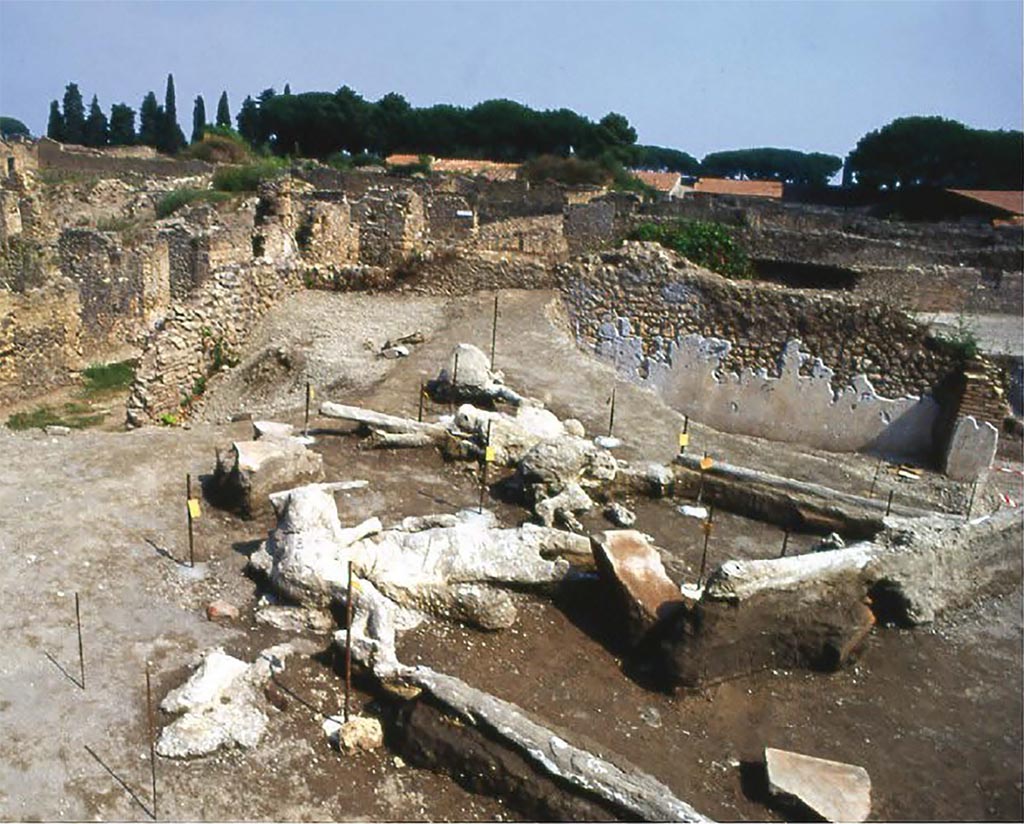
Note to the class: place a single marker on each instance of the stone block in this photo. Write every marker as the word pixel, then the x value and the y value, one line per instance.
pixel 631 565
pixel 830 789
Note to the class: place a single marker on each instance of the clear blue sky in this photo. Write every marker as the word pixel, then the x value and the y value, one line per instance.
pixel 696 76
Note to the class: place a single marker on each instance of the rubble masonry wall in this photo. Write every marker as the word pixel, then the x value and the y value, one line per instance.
pixel 711 347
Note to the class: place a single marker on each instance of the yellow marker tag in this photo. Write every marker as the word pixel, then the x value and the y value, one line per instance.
pixel 684 438
pixel 706 463
pixel 193 508
pixel 489 454
pixel 708 527
pixel 312 393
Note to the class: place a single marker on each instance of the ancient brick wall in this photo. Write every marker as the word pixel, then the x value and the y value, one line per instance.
pixel 665 299
pixel 392 225
pixel 57 158
pixel 40 340
pixel 325 232
pixel 119 286
pixel 202 334
pixel 542 235
pixel 450 216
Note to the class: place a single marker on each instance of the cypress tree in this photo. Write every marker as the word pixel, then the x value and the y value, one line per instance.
pixel 223 113
pixel 74 115
pixel 248 120
pixel 97 132
pixel 287 89
pixel 150 117
pixel 170 137
pixel 198 119
pixel 122 125
pixel 55 125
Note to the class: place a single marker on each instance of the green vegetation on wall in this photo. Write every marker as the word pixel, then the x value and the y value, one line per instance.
pixel 710 245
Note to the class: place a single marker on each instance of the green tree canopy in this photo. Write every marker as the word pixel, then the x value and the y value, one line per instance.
pixel 248 120
pixel 657 159
pixel 12 127
pixel 935 151
pixel 122 125
pixel 74 115
pixel 151 115
pixel 97 132
pixel 321 124
pixel 787 165
pixel 223 112
pixel 55 122
pixel 170 137
pixel 198 119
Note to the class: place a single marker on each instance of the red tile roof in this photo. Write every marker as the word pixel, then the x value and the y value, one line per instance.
pixel 662 181
pixel 744 188
pixel 1011 202
pixel 402 159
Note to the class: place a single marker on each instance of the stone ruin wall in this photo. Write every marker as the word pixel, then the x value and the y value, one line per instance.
pixel 922 267
pixel 348 243
pixel 392 225
pixel 204 334
pixel 121 288
pixel 40 340
pixel 665 299
pixel 723 351
pixel 70 160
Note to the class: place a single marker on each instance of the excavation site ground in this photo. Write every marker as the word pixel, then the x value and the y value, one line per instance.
pixel 933 712
pixel 434 492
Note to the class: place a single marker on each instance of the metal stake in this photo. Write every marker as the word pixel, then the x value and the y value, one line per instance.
pixel 81 654
pixel 305 429
pixel 455 371
pixel 188 508
pixel 970 504
pixel 419 415
pixel 494 330
pixel 348 642
pixel 483 474
pixel 152 737
pixel 888 506
pixel 700 487
pixel 785 543
pixel 611 414
pixel 707 537
pixel 871 492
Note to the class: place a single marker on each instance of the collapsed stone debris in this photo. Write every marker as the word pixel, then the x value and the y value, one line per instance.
pixel 221 704
pixel 830 790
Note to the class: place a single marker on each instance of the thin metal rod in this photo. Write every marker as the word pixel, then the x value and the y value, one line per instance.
pixel 419 415
pixel 455 371
pixel 305 429
pixel 970 504
pixel 704 554
pixel 494 330
pixel 348 643
pixel 188 509
pixel 874 480
pixel 700 487
pixel 888 506
pixel 483 473
pixel 152 738
pixel 611 414
pixel 686 424
pixel 785 543
pixel 81 653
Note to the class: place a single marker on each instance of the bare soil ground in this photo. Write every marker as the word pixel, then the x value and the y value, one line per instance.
pixel 933 714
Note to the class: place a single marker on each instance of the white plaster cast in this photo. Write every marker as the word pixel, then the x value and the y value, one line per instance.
pixel 791 407
pixel 971 449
